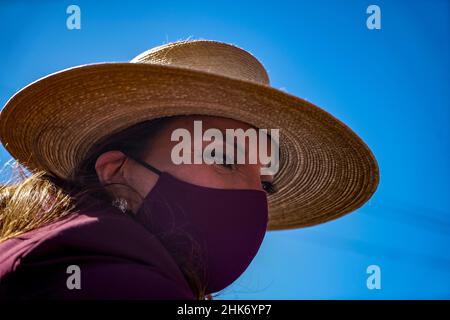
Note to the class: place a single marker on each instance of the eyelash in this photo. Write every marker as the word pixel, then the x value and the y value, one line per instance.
pixel 224 163
pixel 228 166
pixel 268 187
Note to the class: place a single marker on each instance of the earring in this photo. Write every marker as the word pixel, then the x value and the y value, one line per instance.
pixel 121 204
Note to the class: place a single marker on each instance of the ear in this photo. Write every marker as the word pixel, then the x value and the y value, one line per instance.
pixel 108 166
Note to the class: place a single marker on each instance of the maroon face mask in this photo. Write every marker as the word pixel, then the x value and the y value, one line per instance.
pixel 219 230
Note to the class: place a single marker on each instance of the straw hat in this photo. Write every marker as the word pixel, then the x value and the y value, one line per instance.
pixel 326 169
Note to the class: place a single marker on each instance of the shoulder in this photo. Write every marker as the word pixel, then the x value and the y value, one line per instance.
pixel 111 249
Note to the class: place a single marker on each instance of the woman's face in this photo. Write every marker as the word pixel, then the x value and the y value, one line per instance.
pixel 115 167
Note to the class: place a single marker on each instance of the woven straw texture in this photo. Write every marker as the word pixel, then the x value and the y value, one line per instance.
pixel 326 170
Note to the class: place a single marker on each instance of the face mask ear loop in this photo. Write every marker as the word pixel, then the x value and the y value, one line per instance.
pixel 144 164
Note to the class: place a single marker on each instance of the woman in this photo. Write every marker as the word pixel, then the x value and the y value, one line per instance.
pixel 106 212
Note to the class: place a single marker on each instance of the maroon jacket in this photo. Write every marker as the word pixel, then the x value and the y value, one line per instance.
pixel 118 258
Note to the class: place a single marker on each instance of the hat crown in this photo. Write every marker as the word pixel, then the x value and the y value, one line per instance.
pixel 208 56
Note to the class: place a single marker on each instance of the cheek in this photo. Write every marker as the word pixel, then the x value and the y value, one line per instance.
pixel 214 176
pixel 142 182
pixel 251 176
pixel 204 175
pixel 145 182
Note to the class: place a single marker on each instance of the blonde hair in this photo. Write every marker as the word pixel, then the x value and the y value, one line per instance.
pixel 29 202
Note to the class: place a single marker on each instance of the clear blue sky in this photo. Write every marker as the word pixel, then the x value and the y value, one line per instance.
pixel 390 85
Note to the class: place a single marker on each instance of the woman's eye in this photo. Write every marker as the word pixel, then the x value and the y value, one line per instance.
pixel 223 159
pixel 269 187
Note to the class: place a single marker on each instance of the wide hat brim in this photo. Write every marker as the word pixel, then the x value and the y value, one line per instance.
pixel 326 170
